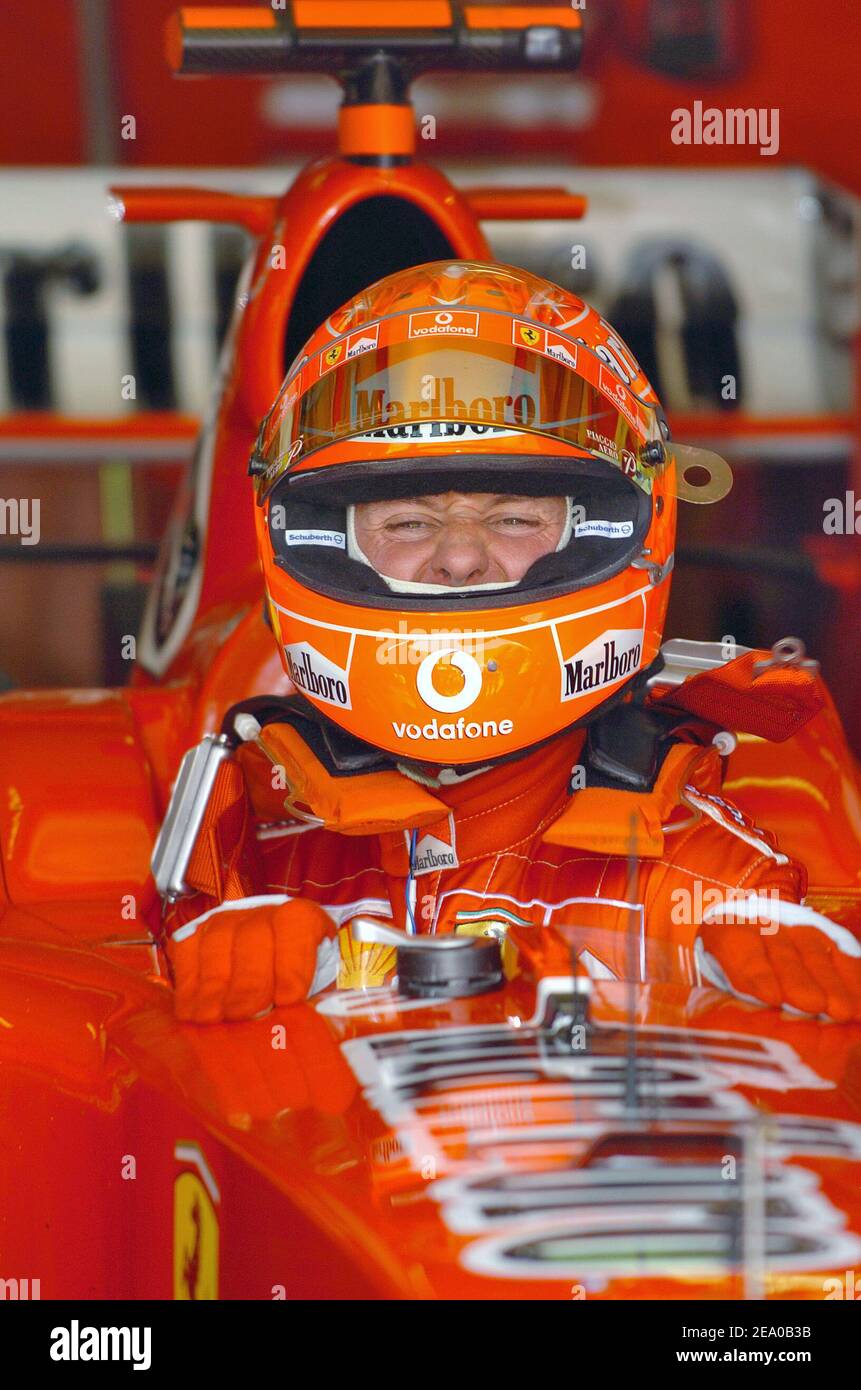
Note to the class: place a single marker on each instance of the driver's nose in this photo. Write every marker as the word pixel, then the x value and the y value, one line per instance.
pixel 460 555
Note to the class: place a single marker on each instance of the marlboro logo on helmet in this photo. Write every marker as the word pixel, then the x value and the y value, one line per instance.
pixel 613 657
pixel 443 404
pixel 316 675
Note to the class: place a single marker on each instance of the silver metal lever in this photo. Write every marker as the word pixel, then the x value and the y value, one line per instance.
pixel 377 933
pixel 188 802
pixel 683 659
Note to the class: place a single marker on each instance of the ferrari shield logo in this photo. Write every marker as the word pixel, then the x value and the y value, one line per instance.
pixel 332 356
pixel 195 1240
pixel 529 335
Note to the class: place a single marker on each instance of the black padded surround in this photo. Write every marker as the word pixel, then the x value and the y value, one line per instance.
pixel 312 502
pixel 371 239
pixel 626 746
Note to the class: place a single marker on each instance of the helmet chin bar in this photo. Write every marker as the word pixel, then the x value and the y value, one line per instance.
pixel 344 754
pixel 632 688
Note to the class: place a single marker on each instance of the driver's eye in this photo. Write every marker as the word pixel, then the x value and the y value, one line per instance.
pixel 410 524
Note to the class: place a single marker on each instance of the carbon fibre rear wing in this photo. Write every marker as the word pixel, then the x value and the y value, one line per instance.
pixel 339 37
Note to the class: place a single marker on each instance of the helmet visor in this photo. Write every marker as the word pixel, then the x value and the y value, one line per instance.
pixel 419 387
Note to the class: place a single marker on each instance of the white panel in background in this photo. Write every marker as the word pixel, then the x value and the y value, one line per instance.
pixel 190 278
pixel 88 339
pixel 765 228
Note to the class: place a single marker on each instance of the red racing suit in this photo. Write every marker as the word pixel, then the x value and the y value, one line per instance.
pixel 514 845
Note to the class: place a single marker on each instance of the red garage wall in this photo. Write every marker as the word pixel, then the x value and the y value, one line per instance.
pixel 793 56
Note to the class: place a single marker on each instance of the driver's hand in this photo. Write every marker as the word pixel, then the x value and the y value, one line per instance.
pixel 248 955
pixel 783 954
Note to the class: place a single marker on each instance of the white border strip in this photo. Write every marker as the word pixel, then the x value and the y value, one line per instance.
pixel 499 632
pixel 188 1152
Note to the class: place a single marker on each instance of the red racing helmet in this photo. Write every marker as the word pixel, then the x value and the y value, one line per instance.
pixel 459 377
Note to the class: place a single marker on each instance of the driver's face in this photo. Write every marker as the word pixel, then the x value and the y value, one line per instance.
pixel 459 538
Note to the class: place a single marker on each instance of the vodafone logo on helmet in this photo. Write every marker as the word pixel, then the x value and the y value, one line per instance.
pixel 460 322
pixel 612 387
pixel 465 697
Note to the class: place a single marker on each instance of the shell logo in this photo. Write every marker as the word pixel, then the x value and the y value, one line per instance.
pixel 363 965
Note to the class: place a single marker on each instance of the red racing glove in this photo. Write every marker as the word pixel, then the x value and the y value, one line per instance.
pixel 249 954
pixel 783 954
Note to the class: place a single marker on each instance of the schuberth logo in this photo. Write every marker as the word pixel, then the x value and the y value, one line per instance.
pixel 610 658
pixel 335 538
pixel 317 676
pixel 611 530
